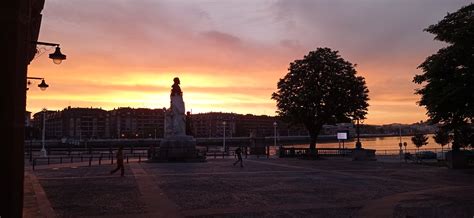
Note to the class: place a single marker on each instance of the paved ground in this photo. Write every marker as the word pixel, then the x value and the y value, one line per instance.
pixel 263 187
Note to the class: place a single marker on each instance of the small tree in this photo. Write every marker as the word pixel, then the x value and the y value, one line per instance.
pixel 322 88
pixel 419 140
pixel 442 137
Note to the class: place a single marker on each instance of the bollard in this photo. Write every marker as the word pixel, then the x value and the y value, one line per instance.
pixel 112 160
pixel 100 159
pixel 90 160
pixel 34 163
pixel 127 158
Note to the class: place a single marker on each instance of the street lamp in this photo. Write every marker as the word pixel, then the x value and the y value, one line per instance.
pixel 358 144
pixel 42 85
pixel 43 150
pixel 223 143
pixel 275 124
pixel 57 56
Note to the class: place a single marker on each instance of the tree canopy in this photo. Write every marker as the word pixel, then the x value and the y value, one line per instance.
pixel 419 140
pixel 322 88
pixel 448 75
pixel 442 137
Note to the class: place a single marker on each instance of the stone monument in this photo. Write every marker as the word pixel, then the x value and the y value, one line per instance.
pixel 176 145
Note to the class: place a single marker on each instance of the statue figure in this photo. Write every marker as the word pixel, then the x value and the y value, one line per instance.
pixel 175 116
pixel 176 145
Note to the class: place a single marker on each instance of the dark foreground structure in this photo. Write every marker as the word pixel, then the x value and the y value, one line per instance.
pixel 265 187
pixel 20 21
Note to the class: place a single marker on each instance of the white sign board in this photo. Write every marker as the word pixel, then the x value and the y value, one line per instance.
pixel 342 135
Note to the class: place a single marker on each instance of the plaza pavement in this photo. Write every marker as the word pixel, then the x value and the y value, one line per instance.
pixel 264 187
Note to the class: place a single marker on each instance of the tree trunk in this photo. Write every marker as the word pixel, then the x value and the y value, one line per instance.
pixel 313 133
pixel 455 146
pixel 312 144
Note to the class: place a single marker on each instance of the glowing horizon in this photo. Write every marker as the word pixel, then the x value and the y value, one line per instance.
pixel 228 55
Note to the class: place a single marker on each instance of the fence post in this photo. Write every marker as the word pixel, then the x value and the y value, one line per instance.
pixel 100 159
pixel 90 160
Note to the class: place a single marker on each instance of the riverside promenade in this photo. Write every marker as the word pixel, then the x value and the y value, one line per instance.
pixel 272 187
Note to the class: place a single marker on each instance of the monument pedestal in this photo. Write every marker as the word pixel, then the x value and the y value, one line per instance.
pixel 363 154
pixel 177 148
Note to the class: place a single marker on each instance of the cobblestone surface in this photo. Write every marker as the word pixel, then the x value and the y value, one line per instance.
pixel 90 191
pixel 266 188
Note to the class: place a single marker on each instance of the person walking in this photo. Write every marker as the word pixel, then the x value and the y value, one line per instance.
pixel 238 152
pixel 119 162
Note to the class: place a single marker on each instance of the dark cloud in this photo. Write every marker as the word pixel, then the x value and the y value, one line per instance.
pixel 365 28
pixel 221 38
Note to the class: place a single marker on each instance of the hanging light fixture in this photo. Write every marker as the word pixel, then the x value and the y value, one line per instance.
pixel 43 85
pixel 57 56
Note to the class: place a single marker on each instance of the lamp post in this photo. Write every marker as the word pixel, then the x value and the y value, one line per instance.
pixel 165 125
pixel 275 124
pixel 43 150
pixel 42 85
pixel 57 56
pixel 223 143
pixel 358 144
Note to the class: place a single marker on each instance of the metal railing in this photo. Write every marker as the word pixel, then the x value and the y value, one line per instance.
pixel 100 159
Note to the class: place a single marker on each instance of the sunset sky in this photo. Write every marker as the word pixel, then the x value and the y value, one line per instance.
pixel 229 55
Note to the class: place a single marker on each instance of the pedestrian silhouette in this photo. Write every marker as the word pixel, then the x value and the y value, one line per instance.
pixel 238 152
pixel 119 162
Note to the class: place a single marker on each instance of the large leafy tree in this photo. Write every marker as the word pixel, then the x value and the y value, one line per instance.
pixel 448 75
pixel 321 88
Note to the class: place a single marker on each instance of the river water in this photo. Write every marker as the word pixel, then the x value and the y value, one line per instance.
pixel 381 144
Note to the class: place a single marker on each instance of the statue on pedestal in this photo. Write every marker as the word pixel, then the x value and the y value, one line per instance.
pixel 175 115
pixel 176 145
